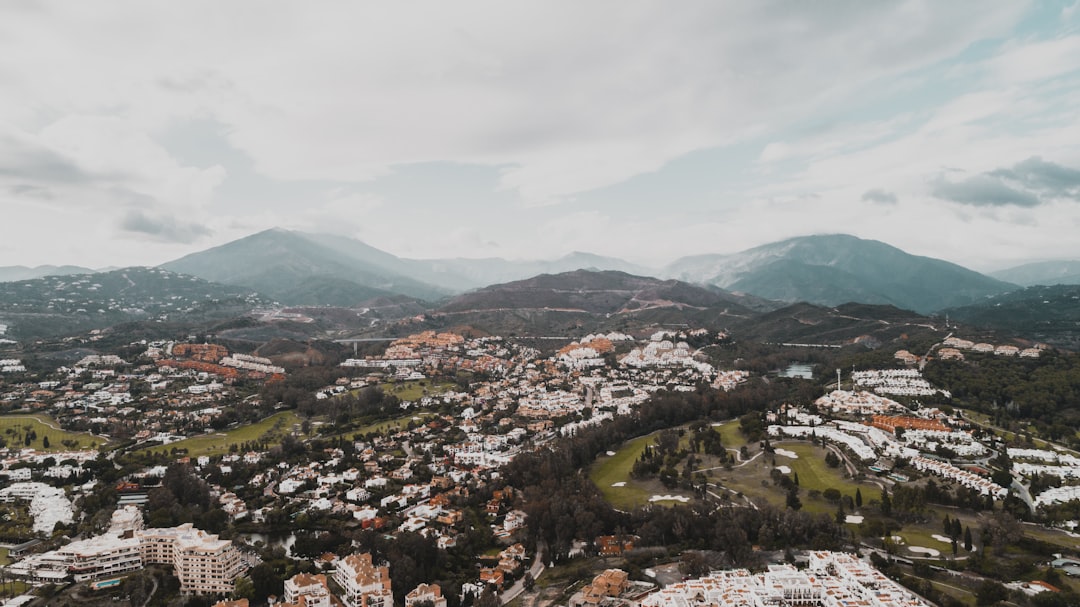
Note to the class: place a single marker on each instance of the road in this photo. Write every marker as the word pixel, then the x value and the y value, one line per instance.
pixel 518 587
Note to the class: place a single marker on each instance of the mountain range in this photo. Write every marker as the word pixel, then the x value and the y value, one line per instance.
pixel 305 269
pixel 297 268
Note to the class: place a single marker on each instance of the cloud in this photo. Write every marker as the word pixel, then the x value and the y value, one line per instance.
pixel 983 190
pixel 566 98
pixel 1047 178
pixel 879 195
pixel 1028 183
pixel 162 227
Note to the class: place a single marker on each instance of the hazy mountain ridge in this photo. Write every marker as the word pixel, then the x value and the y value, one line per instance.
pixel 834 269
pixel 1057 272
pixel 285 265
pixel 14 273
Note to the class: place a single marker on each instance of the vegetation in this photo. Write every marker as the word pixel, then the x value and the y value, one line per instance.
pixel 41 432
pixel 265 433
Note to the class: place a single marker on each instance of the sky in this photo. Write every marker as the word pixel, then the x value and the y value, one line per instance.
pixel 132 133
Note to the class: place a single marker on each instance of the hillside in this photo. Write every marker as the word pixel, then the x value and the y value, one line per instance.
pixel 835 269
pixel 1062 272
pixel 1049 314
pixel 59 305
pixel 592 292
pixel 805 323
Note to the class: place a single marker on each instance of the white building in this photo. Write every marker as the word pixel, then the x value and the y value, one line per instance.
pixel 362 583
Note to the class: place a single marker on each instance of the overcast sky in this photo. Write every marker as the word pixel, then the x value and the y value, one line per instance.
pixel 132 133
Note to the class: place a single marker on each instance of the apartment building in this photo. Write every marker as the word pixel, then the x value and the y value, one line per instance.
pixel 203 563
pixel 306 590
pixel 362 583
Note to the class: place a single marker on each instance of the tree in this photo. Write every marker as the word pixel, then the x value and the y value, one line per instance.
pixel 886 503
pixel 831 460
pixel 45 443
pixel 967 539
pixel 793 502
pixel 528 582
pixel 989 593
pixel 858 498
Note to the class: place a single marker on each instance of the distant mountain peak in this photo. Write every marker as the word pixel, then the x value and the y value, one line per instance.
pixel 831 269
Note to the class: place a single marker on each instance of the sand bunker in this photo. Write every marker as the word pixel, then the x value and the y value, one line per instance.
pixel 942 538
pixel 619 484
pixel 669 498
pixel 611 454
pixel 784 469
pixel 786 453
pixel 853 518
pixel 924 550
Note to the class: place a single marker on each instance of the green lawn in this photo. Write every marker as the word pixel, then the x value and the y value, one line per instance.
pixel 271 430
pixel 730 434
pixel 397 423
pixel 417 388
pixel 814 473
pixel 607 471
pixel 13 429
pixel 754 479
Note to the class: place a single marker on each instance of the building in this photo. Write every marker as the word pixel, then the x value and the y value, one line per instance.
pixel 362 583
pixel 203 563
pixel 100 557
pixel 609 584
pixel 425 592
pixel 832 580
pixel 305 590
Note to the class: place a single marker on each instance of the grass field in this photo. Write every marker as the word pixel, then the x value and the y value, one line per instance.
pixel 13 429
pixel 730 434
pixel 754 480
pixel 607 471
pixel 396 423
pixel 416 389
pixel 271 430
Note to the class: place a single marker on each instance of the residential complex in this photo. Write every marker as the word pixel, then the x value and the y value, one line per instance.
pixel 831 580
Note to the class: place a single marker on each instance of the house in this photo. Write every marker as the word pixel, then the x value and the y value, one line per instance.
pixel 608 545
pixel 425 592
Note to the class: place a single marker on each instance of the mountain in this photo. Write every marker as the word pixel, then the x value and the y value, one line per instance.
pixel 462 274
pixel 61 305
pixel 593 292
pixel 297 268
pixel 834 269
pixel 13 273
pixel 305 269
pixel 1044 313
pixel 849 323
pixel 569 303
pixel 1060 272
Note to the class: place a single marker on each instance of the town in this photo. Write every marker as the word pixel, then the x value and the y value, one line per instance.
pixel 250 483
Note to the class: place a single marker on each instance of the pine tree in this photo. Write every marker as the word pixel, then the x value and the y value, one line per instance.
pixel 947 525
pixel 967 539
pixel 858 498
pixel 886 503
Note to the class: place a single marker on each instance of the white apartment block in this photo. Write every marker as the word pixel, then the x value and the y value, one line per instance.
pixel 203 563
pixel 101 557
pixel 832 580
pixel 362 583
